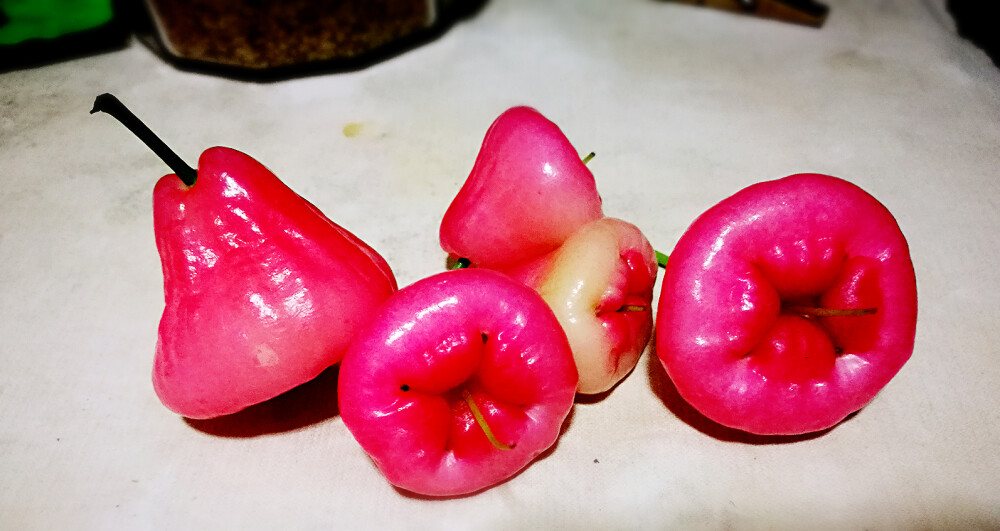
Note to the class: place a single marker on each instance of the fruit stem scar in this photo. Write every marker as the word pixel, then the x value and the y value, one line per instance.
pixel 632 308
pixel 830 312
pixel 111 105
pixel 481 420
pixel 661 259
pixel 461 263
pixel 588 157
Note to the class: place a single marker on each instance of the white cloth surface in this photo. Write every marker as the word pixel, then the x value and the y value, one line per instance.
pixel 683 106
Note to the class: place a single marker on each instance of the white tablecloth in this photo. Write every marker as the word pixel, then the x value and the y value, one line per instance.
pixel 683 106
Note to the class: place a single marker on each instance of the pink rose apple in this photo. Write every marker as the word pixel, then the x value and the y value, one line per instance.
pixel 527 192
pixel 787 306
pixel 462 379
pixel 523 211
pixel 263 292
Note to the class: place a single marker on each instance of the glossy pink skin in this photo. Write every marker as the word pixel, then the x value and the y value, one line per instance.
pixel 400 382
pixel 527 192
pixel 263 292
pixel 806 239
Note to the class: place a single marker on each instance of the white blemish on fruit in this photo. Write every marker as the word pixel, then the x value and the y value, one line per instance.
pixel 266 356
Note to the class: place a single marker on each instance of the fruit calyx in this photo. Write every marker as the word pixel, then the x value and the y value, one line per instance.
pixel 813 311
pixel 481 420
pixel 108 103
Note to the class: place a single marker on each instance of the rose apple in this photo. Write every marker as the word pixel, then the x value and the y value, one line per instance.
pixel 527 192
pixel 599 283
pixel 461 380
pixel 787 306
pixel 263 292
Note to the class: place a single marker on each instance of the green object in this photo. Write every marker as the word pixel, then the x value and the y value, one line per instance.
pixel 21 20
pixel 661 259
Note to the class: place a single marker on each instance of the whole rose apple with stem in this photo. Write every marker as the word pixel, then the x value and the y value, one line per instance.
pixel 787 306
pixel 263 292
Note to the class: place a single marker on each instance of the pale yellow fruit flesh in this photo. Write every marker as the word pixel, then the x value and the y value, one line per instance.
pixel 586 272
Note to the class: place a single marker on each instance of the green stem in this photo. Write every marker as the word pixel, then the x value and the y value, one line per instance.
pixel 588 157
pixel 110 104
pixel 461 263
pixel 481 420
pixel 661 259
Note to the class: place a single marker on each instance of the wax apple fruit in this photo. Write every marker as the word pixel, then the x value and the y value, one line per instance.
pixel 523 211
pixel 440 353
pixel 787 306
pixel 599 283
pixel 263 292
pixel 527 192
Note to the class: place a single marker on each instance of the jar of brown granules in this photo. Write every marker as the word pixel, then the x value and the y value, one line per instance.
pixel 279 38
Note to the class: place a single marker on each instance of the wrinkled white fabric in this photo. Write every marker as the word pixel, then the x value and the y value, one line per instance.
pixel 683 106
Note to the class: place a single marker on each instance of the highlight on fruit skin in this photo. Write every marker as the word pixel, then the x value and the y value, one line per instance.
pixel 787 306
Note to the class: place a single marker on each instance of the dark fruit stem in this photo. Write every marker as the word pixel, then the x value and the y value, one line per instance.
pixel 588 157
pixel 481 420
pixel 461 263
pixel 110 104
